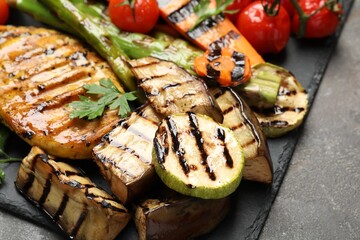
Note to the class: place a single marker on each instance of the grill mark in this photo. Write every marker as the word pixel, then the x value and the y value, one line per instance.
pixel 283 91
pixel 195 131
pixel 78 224
pixel 46 191
pixel 275 123
pixel 149 64
pixel 205 26
pixel 31 175
pixel 76 75
pixel 183 12
pixel 212 73
pixel 176 147
pixel 153 77
pixel 246 119
pixel 237 73
pixel 281 110
pixel 106 204
pixel 58 101
pixel 214 54
pixel 221 136
pixel 42 62
pixel 127 149
pixel 105 159
pixel 170 85
pixel 252 141
pixel 61 208
pixel 237 126
pixel 224 41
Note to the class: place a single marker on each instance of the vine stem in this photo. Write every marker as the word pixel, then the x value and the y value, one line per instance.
pixel 303 17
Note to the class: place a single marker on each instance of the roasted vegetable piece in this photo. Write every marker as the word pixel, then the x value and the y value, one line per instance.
pixel 125 154
pixel 170 89
pixel 242 121
pixel 224 66
pixel 181 217
pixel 196 156
pixel 115 45
pixel 41 72
pixel 97 36
pixel 215 30
pixel 81 210
pixel 290 107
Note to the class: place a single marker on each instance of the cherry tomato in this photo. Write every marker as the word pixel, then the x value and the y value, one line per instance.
pixel 4 12
pixel 236 5
pixel 140 19
pixel 267 34
pixel 288 6
pixel 323 23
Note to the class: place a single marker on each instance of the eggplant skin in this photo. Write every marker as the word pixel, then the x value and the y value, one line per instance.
pixel 81 210
pixel 177 217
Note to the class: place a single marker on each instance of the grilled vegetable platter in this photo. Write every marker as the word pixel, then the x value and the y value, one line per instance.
pixel 191 160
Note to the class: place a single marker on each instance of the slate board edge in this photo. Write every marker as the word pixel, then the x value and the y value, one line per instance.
pixel 256 228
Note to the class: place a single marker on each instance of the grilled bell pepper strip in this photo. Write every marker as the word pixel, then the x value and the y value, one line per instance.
pixel 224 65
pixel 214 31
pixel 134 45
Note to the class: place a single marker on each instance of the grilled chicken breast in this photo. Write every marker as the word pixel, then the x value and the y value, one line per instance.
pixel 170 89
pixel 41 72
pixel 125 154
pixel 82 210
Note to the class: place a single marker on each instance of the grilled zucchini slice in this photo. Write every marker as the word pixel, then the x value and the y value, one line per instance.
pixel 196 156
pixel 242 121
pixel 82 210
pixel 290 107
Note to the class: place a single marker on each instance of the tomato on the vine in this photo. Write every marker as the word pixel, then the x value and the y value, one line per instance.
pixel 4 12
pixel 287 4
pixel 238 5
pixel 323 18
pixel 134 15
pixel 267 34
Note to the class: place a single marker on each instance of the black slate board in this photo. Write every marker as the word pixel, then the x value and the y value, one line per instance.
pixel 307 59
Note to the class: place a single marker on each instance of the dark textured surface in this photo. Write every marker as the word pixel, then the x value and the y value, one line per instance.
pixel 252 202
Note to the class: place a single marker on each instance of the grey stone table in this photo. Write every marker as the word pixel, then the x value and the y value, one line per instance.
pixel 320 195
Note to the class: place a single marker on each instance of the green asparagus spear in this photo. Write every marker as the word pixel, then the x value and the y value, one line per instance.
pixel 97 36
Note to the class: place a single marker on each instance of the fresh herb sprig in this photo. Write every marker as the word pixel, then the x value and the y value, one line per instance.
pixel 203 11
pixel 111 98
pixel 4 157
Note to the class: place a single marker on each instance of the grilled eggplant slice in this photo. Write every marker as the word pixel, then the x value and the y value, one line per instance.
pixel 41 72
pixel 196 156
pixel 125 154
pixel 170 89
pixel 290 107
pixel 242 121
pixel 82 210
pixel 174 216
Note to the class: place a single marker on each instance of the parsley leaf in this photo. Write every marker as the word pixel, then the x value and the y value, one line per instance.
pixel 110 97
pixel 203 11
